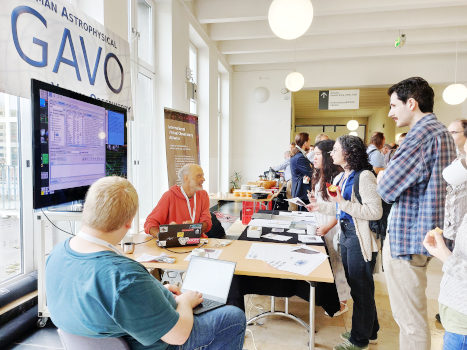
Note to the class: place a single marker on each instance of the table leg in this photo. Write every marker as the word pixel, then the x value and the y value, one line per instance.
pixel 312 316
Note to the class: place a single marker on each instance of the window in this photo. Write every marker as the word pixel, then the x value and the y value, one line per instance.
pixel 193 78
pixel 333 131
pixel 145 39
pixel 10 200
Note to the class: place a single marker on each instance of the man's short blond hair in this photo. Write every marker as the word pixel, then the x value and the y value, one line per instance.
pixel 321 137
pixel 111 202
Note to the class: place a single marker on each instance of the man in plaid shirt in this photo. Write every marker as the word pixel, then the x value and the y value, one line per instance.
pixel 413 182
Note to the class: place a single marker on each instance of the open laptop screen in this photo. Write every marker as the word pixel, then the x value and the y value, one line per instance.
pixel 211 277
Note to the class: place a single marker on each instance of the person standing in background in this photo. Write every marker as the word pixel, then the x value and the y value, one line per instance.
pixel 375 157
pixel 413 183
pixel 301 168
pixel 320 137
pixel 285 166
pixel 452 296
pixel 456 198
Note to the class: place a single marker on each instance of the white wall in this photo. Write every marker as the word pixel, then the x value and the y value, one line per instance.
pixel 260 131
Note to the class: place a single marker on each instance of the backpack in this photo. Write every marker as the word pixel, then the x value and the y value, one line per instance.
pixel 377 226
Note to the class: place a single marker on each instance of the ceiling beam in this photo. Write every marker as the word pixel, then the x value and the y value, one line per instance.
pixel 361 22
pixel 224 11
pixel 344 40
pixel 338 54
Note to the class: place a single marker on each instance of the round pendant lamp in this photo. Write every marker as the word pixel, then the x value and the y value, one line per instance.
pixel 455 94
pixel 294 81
pixel 290 19
pixel 352 125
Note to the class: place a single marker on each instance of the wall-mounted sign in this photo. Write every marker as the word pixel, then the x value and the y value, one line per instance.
pixel 54 42
pixel 181 142
pixel 339 99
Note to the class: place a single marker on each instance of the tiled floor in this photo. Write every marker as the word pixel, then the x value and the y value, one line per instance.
pixel 276 333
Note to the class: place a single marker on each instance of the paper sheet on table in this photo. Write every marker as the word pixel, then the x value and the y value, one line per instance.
pixel 269 223
pixel 276 237
pixel 302 260
pixel 303 213
pixel 266 252
pixel 296 216
pixel 297 231
pixel 149 258
pixel 297 201
pixel 310 239
pixel 297 259
pixel 210 253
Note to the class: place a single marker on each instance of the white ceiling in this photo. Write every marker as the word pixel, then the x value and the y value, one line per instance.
pixel 341 29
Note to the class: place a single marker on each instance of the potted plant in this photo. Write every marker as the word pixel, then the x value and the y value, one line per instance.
pixel 235 180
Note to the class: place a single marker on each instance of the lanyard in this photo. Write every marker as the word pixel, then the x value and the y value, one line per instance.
pixel 97 241
pixel 342 193
pixel 192 215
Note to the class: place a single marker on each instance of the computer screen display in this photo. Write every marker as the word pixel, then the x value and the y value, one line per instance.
pixel 77 139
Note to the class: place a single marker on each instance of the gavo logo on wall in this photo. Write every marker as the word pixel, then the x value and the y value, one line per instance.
pixel 59 45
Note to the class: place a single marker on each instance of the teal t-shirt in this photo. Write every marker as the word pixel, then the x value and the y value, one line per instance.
pixel 104 294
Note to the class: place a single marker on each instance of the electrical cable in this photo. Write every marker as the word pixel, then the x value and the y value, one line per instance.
pixel 188 251
pixel 69 233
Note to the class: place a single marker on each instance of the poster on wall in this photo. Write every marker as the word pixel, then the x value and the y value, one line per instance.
pixel 181 142
pixel 54 42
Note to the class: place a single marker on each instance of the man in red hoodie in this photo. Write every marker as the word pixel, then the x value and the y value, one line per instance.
pixel 184 204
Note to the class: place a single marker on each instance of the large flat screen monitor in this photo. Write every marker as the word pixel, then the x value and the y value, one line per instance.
pixel 76 139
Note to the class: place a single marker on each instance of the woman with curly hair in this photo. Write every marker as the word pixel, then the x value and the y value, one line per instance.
pixel 358 244
pixel 325 171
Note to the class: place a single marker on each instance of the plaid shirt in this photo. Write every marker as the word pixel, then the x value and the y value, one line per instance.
pixel 413 181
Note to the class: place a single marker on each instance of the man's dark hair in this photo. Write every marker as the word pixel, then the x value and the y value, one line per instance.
pixel 465 129
pixel 377 139
pixel 416 88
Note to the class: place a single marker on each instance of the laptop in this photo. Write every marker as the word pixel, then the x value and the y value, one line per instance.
pixel 179 235
pixel 212 278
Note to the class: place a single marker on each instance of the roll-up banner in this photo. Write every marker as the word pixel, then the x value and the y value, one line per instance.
pixel 54 42
pixel 181 142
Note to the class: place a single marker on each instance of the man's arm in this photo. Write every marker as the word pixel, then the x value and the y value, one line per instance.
pixel 179 334
pixel 158 216
pixel 404 170
pixel 304 166
pixel 281 166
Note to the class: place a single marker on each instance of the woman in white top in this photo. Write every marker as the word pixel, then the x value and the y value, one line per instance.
pixel 325 171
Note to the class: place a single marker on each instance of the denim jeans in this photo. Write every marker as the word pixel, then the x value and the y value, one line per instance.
pixel 359 274
pixel 219 329
pixel 453 341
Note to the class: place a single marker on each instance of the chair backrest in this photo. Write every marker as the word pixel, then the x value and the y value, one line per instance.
pixel 77 342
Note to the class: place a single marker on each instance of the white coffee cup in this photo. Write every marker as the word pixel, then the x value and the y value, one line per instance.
pixel 306 180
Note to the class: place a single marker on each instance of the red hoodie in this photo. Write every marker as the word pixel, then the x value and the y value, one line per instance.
pixel 172 207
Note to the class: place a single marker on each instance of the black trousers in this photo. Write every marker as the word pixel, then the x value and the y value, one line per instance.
pixel 359 274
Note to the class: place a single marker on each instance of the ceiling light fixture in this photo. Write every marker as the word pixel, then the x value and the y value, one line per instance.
pixel 456 93
pixel 294 81
pixel 352 125
pixel 290 19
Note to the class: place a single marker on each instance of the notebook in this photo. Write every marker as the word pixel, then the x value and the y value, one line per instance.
pixel 179 235
pixel 212 278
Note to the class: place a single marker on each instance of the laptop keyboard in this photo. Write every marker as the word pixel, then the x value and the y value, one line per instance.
pixel 206 305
